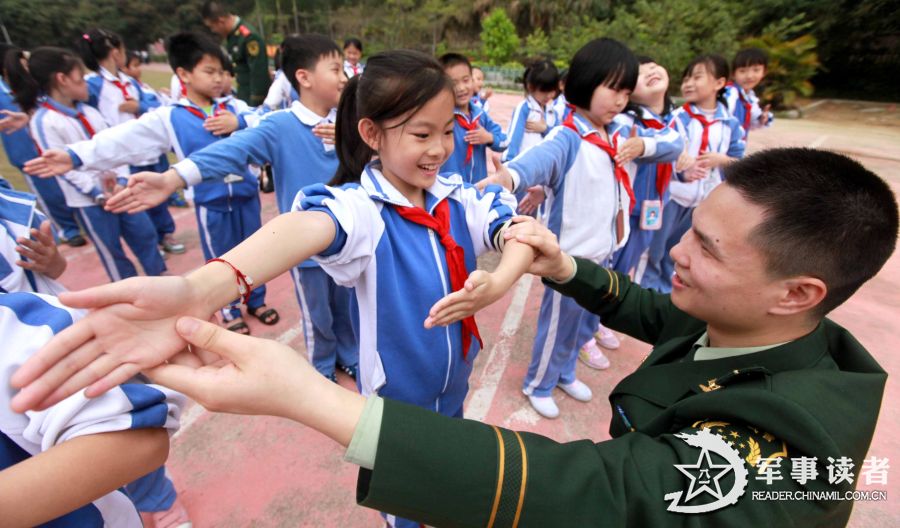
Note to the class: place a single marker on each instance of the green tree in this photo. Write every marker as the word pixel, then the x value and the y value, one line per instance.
pixel 792 59
pixel 498 37
pixel 537 44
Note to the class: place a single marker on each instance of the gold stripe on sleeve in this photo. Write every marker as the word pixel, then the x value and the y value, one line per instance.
pixel 502 465
pixel 524 480
pixel 609 289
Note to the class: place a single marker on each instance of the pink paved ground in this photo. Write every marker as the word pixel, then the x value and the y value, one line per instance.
pixel 240 471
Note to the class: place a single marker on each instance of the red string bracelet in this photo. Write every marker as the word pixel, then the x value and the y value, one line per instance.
pixel 244 282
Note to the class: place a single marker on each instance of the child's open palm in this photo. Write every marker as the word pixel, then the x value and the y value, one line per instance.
pixel 477 293
pixel 221 124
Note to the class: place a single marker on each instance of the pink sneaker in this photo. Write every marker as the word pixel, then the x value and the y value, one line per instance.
pixel 591 355
pixel 174 517
pixel 606 338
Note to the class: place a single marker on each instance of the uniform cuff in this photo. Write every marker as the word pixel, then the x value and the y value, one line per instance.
pixel 76 160
pixel 649 147
pixel 570 277
pixel 516 179
pixel 364 444
pixel 189 172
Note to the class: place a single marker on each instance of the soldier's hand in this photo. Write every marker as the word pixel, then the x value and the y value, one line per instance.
pixel 550 261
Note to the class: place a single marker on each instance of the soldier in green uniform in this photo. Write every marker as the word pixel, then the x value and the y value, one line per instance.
pixel 247 50
pixel 751 405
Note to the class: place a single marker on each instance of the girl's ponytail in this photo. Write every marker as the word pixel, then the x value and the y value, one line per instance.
pixel 353 153
pixel 95 45
pixel 31 81
pixel 23 85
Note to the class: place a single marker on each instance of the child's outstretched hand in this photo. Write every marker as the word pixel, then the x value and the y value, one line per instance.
pixel 500 177
pixel 549 260
pixel 131 328
pixel 41 252
pixel 478 292
pixel 714 159
pixel 52 162
pixel 12 121
pixel 684 162
pixel 632 148
pixel 260 376
pixel 222 124
pixel 145 190
pixel 532 200
pixel 325 132
pixel 479 136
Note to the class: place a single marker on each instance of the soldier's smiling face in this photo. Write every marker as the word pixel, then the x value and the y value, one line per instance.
pixel 721 277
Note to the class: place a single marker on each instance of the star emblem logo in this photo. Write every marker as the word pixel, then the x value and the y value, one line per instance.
pixel 704 473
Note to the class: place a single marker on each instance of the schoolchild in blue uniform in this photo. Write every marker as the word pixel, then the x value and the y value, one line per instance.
pixel 713 138
pixel 650 108
pixel 481 95
pixel 288 140
pixel 534 117
pixel 353 51
pixel 116 437
pixel 748 69
pixel 473 129
pixel 227 211
pixel 62 118
pixel 20 148
pixel 119 98
pixel 588 165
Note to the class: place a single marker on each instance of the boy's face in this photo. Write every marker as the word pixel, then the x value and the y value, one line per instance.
pixel 352 54
pixel 477 79
pixel 323 84
pixel 461 75
pixel 749 77
pixel 720 275
pixel 207 78
pixel 133 69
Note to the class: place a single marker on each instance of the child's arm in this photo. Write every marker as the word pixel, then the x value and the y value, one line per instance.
pixel 132 325
pixel 56 137
pixel 544 164
pixel 516 131
pixel 99 463
pixel 501 141
pixel 109 148
pixel 231 155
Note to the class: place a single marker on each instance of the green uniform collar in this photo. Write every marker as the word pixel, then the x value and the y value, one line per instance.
pixel 704 352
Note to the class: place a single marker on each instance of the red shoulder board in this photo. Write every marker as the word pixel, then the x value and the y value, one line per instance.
pixel 244 31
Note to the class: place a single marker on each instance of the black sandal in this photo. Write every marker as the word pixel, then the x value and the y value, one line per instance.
pixel 269 317
pixel 239 327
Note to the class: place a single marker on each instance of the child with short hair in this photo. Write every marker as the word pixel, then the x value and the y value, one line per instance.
pixel 473 129
pixel 289 140
pixel 713 138
pixel 534 117
pixel 62 118
pixel 353 50
pixel 119 98
pixel 481 94
pixel 227 212
pixel 587 165
pixel 748 70
pixel 101 443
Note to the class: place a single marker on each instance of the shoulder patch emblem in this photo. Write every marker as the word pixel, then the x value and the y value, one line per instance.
pixel 757 448
pixel 253 48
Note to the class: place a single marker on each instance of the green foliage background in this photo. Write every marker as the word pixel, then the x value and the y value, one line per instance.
pixel 850 47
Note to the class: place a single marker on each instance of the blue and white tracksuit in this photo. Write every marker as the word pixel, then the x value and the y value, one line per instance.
pixel 27 322
pixel 476 169
pixel 582 210
pixel 227 212
pixel 106 97
pixel 20 148
pixel 58 127
pixel 285 139
pixel 348 69
pixel 744 106
pixel 399 270
pixel 725 136
pixel 669 146
pixel 281 94
pixel 18 215
pixel 481 101
pixel 521 140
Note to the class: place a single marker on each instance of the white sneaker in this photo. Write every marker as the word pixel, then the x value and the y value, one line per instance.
pixel 606 338
pixel 544 405
pixel 577 390
pixel 591 355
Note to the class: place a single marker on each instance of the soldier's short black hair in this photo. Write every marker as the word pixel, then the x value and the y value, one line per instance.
pixel 826 216
pixel 303 52
pixel 187 49
pixel 750 57
pixel 213 10
pixel 449 60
